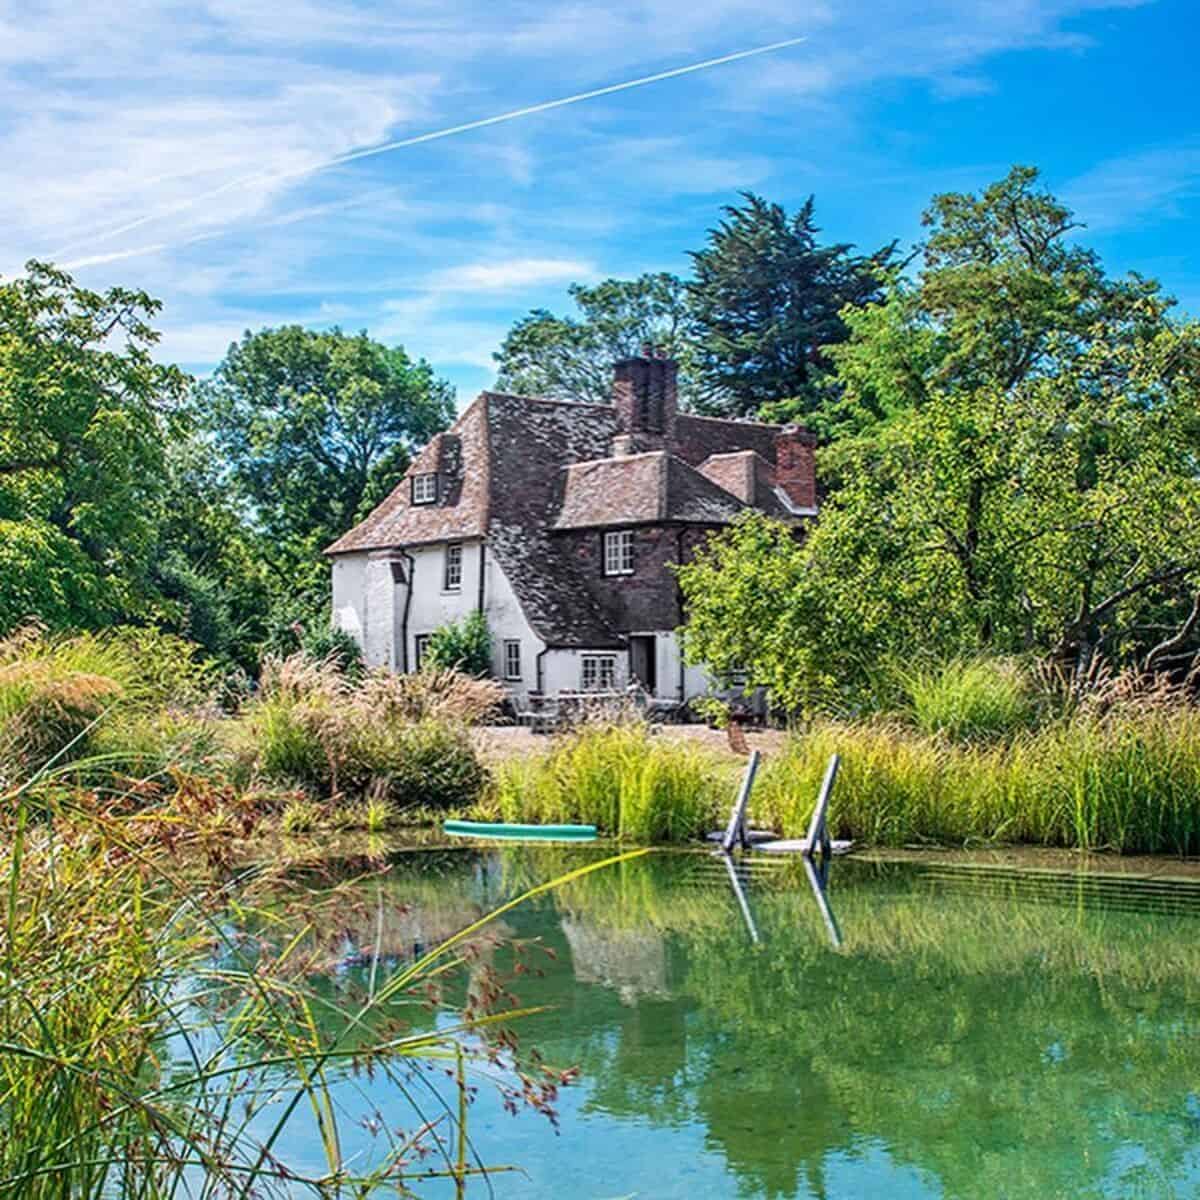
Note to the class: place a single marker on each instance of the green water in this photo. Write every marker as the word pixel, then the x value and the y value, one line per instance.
pixel 939 1032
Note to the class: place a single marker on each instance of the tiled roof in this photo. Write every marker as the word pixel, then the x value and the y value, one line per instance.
pixel 641 489
pixel 460 458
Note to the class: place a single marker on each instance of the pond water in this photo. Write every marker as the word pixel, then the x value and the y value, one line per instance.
pixel 909 1030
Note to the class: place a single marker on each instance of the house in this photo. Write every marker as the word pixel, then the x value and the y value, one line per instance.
pixel 559 522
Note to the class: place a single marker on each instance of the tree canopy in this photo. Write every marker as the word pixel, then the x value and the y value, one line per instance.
pixel 571 358
pixel 316 428
pixel 767 303
pixel 85 414
pixel 1015 469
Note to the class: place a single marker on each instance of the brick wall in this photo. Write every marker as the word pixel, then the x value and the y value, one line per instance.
pixel 649 598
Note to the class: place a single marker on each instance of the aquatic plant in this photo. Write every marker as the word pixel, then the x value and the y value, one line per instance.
pixel 150 1050
pixel 622 779
pixel 1127 780
pixel 970 698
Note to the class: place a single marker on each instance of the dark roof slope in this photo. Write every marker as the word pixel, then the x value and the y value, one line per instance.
pixel 698 438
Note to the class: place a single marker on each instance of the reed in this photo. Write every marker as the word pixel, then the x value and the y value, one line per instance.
pixel 620 778
pixel 148 1052
pixel 1127 781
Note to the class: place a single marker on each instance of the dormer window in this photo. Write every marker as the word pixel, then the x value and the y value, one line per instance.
pixel 425 488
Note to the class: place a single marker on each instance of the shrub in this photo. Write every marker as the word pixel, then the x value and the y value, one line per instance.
pixel 621 779
pixel 970 698
pixel 464 645
pixel 55 689
pixel 313 726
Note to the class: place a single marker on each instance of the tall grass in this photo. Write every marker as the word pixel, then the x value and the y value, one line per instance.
pixel 1127 781
pixel 147 1053
pixel 970 698
pixel 400 736
pixel 54 689
pixel 620 778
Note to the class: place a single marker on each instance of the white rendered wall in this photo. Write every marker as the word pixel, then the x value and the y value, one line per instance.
pixel 562 670
pixel 507 622
pixel 349 597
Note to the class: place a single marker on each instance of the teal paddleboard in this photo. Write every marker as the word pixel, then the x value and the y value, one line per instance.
pixel 570 833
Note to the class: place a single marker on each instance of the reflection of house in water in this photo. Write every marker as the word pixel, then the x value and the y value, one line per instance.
pixel 633 962
pixel 402 933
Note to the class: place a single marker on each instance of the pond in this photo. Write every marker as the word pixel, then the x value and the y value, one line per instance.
pixel 912 1029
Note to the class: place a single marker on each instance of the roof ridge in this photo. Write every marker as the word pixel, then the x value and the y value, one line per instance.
pixel 731 421
pixel 543 399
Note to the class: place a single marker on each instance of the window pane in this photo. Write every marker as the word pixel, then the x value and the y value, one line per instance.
pixel 453 573
pixel 512 659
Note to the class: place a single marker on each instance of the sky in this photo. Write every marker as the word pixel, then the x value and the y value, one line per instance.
pixel 175 147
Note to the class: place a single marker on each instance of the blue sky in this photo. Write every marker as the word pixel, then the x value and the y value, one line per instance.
pixel 112 119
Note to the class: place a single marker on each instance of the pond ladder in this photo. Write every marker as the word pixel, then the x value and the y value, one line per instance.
pixel 818 829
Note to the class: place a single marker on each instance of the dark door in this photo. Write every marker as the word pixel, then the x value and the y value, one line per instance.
pixel 643 662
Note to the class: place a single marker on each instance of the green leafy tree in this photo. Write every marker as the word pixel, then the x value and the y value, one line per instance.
pixel 317 427
pixel 571 358
pixel 1016 470
pixel 85 415
pixel 210 568
pixel 767 302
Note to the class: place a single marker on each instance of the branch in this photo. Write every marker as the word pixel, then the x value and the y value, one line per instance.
pixel 1165 647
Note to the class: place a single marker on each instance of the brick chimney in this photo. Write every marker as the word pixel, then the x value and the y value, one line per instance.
pixel 644 394
pixel 795 466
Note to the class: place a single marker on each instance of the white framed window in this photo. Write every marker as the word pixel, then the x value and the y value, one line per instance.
pixel 618 552
pixel 512 658
pixel 599 673
pixel 421 646
pixel 452 568
pixel 425 488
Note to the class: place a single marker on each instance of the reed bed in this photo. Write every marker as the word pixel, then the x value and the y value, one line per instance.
pixel 620 778
pixel 148 1051
pixel 1127 781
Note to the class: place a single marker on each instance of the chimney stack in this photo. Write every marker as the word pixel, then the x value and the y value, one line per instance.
pixel 644 394
pixel 795 466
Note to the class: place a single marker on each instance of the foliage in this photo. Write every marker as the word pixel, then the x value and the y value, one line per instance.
pixel 313 726
pixel 215 581
pixel 85 413
pixel 1015 472
pixel 53 689
pixel 464 645
pixel 152 1050
pixel 969 698
pixel 317 427
pixel 1128 781
pixel 619 778
pixel 571 358
pixel 767 302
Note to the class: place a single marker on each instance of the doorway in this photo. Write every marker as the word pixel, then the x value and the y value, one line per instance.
pixel 643 661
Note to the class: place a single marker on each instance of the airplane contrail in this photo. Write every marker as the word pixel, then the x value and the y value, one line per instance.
pixel 435 135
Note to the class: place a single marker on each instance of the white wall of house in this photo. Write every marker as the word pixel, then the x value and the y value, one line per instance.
pixel 507 622
pixel 370 605
pixel 562 670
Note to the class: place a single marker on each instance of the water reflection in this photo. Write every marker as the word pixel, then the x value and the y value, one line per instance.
pixel 950 1033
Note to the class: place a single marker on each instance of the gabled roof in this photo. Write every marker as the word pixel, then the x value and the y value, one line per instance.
pixel 649 488
pixel 459 457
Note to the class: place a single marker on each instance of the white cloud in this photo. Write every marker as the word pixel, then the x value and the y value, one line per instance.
pixel 514 273
pixel 1136 188
pixel 109 120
